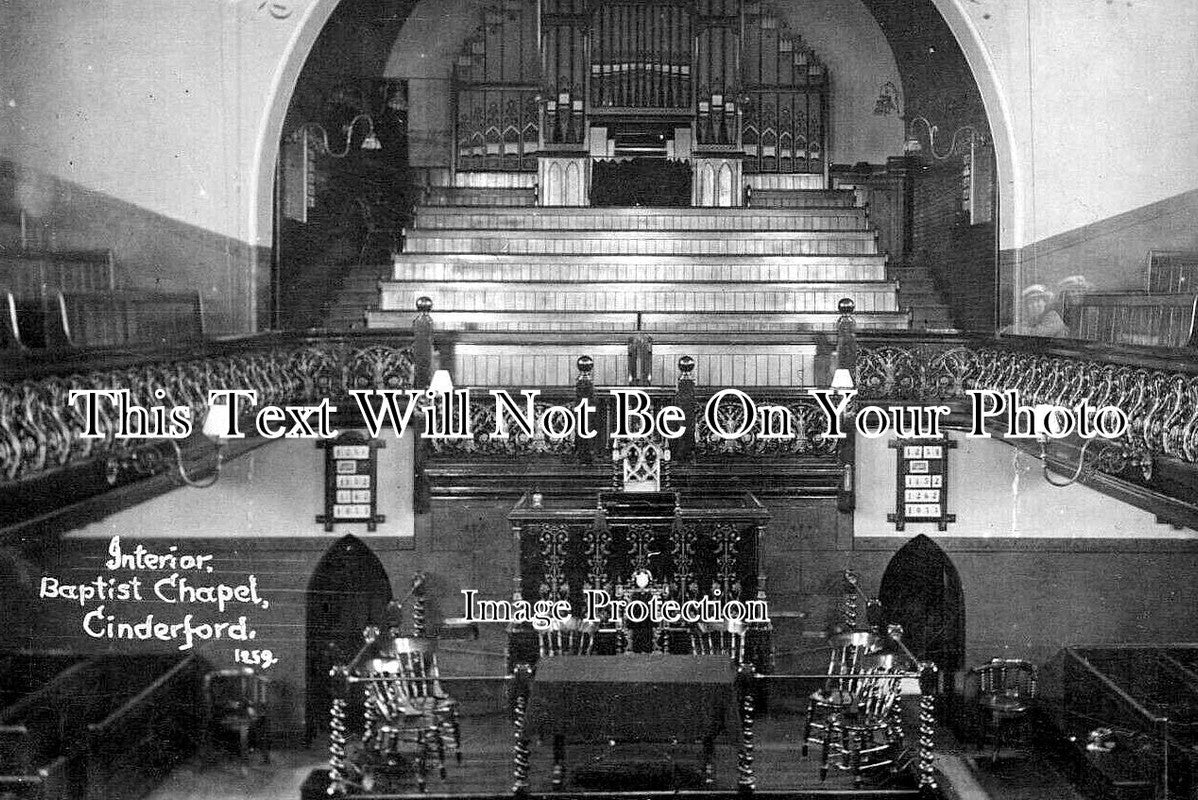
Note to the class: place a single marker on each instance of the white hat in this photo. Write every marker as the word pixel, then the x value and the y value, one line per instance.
pixel 1074 283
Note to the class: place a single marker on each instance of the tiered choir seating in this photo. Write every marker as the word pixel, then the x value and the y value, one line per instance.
pixel 684 270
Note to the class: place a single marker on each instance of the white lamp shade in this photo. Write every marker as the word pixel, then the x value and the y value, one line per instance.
pixel 842 380
pixel 216 421
pixel 441 383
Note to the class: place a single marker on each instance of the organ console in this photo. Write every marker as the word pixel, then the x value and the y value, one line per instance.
pixel 591 79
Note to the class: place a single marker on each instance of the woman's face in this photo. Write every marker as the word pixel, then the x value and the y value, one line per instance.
pixel 1034 306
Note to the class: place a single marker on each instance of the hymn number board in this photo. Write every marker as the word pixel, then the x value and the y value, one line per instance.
pixel 922 485
pixel 351 466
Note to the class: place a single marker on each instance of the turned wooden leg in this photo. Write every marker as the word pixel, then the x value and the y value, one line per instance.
pixel 708 760
pixel 421 759
pixel 559 757
pixel 457 734
pixel 807 724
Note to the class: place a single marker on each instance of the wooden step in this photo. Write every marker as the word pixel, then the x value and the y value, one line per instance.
pixel 483 179
pixel 642 219
pixel 801 198
pixel 653 269
pixel 739 243
pixel 464 196
pixel 638 297
pixel 626 322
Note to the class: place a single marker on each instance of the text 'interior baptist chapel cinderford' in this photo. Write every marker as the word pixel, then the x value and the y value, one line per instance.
pixel 598 399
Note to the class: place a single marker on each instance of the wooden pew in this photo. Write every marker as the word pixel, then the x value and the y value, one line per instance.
pixel 1136 318
pixel 28 273
pixel 121 317
pixel 1172 272
pixel 32 277
pixel 105 728
pixel 133 747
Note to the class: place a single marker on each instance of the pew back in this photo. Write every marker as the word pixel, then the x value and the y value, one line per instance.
pixel 1172 272
pixel 1136 318
pixel 116 317
pixel 115 724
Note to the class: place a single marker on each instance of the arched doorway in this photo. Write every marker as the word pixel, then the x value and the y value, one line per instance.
pixel 348 591
pixel 921 591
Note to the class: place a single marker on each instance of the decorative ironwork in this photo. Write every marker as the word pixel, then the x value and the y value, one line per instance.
pixel 640 543
pixel 726 538
pixel 922 372
pixel 1161 407
pixel 40 431
pixel 807 425
pixel 597 542
pixel 683 539
pixel 518 443
pixel 553 540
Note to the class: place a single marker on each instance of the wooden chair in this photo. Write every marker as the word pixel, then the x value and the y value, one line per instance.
pixel 236 702
pixel 417 660
pixel 719 638
pixel 570 637
pixel 398 711
pixel 1006 696
pixel 866 734
pixel 847 652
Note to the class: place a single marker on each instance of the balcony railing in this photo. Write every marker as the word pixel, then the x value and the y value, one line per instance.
pixel 1153 465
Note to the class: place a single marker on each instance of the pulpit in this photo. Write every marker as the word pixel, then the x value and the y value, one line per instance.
pixel 685 560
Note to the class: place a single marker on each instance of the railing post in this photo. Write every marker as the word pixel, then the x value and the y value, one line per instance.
pixel 422 373
pixel 422 344
pixel 640 360
pixel 338 732
pixel 683 448
pixel 846 358
pixel 927 745
pixel 419 611
pixel 584 391
pixel 846 335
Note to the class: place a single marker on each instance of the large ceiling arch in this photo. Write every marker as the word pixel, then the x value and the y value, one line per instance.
pixel 946 70
pixel 949 77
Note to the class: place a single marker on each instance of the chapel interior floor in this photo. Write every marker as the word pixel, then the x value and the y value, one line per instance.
pixel 486 769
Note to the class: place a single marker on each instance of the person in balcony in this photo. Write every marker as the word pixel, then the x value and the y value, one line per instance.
pixel 1070 291
pixel 1039 317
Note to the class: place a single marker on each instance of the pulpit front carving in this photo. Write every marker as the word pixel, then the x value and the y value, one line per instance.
pixel 637 546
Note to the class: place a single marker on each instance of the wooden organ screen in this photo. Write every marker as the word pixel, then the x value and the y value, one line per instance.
pixel 641 54
pixel 786 97
pixel 564 25
pixel 717 73
pixel 497 81
pixel 745 79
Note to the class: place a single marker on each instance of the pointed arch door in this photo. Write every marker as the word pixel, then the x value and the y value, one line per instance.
pixel 921 591
pixel 349 590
